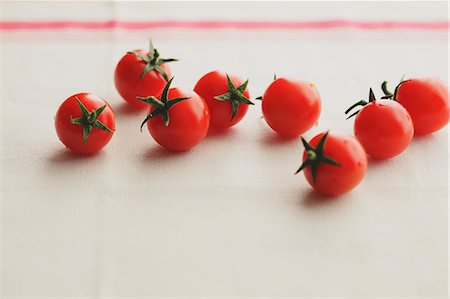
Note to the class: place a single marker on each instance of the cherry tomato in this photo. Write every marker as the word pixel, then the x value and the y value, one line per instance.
pixel 178 119
pixel 227 98
pixel 85 123
pixel 291 107
pixel 333 163
pixel 383 127
pixel 427 102
pixel 141 73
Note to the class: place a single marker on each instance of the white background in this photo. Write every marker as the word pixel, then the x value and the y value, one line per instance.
pixel 229 218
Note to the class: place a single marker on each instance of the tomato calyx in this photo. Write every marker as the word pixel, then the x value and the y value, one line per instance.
pixel 153 61
pixel 235 96
pixel 162 106
pixel 89 120
pixel 315 156
pixel 360 103
pixel 387 93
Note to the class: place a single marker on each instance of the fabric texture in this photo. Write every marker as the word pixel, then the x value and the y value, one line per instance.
pixel 228 218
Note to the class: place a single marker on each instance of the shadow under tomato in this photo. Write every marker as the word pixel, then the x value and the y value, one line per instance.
pixel 158 153
pixel 220 133
pixel 68 171
pixel 312 199
pixel 66 155
pixel 374 161
pixel 374 164
pixel 125 109
pixel 424 138
pixel 274 139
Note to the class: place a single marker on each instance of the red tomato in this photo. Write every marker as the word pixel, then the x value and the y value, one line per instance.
pixel 291 107
pixel 383 127
pixel 178 119
pixel 227 103
pixel 427 102
pixel 85 123
pixel 141 73
pixel 333 163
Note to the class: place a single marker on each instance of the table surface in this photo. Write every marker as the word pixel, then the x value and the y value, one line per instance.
pixel 228 218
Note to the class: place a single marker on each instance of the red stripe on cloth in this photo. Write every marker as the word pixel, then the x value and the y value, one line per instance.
pixel 172 24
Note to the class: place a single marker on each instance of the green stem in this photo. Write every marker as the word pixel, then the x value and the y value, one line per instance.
pixel 385 89
pixel 161 106
pixel 311 155
pixel 315 156
pixel 360 103
pixel 153 62
pixel 88 120
pixel 235 96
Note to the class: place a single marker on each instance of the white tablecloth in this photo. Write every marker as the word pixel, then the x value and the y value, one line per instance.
pixel 229 218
